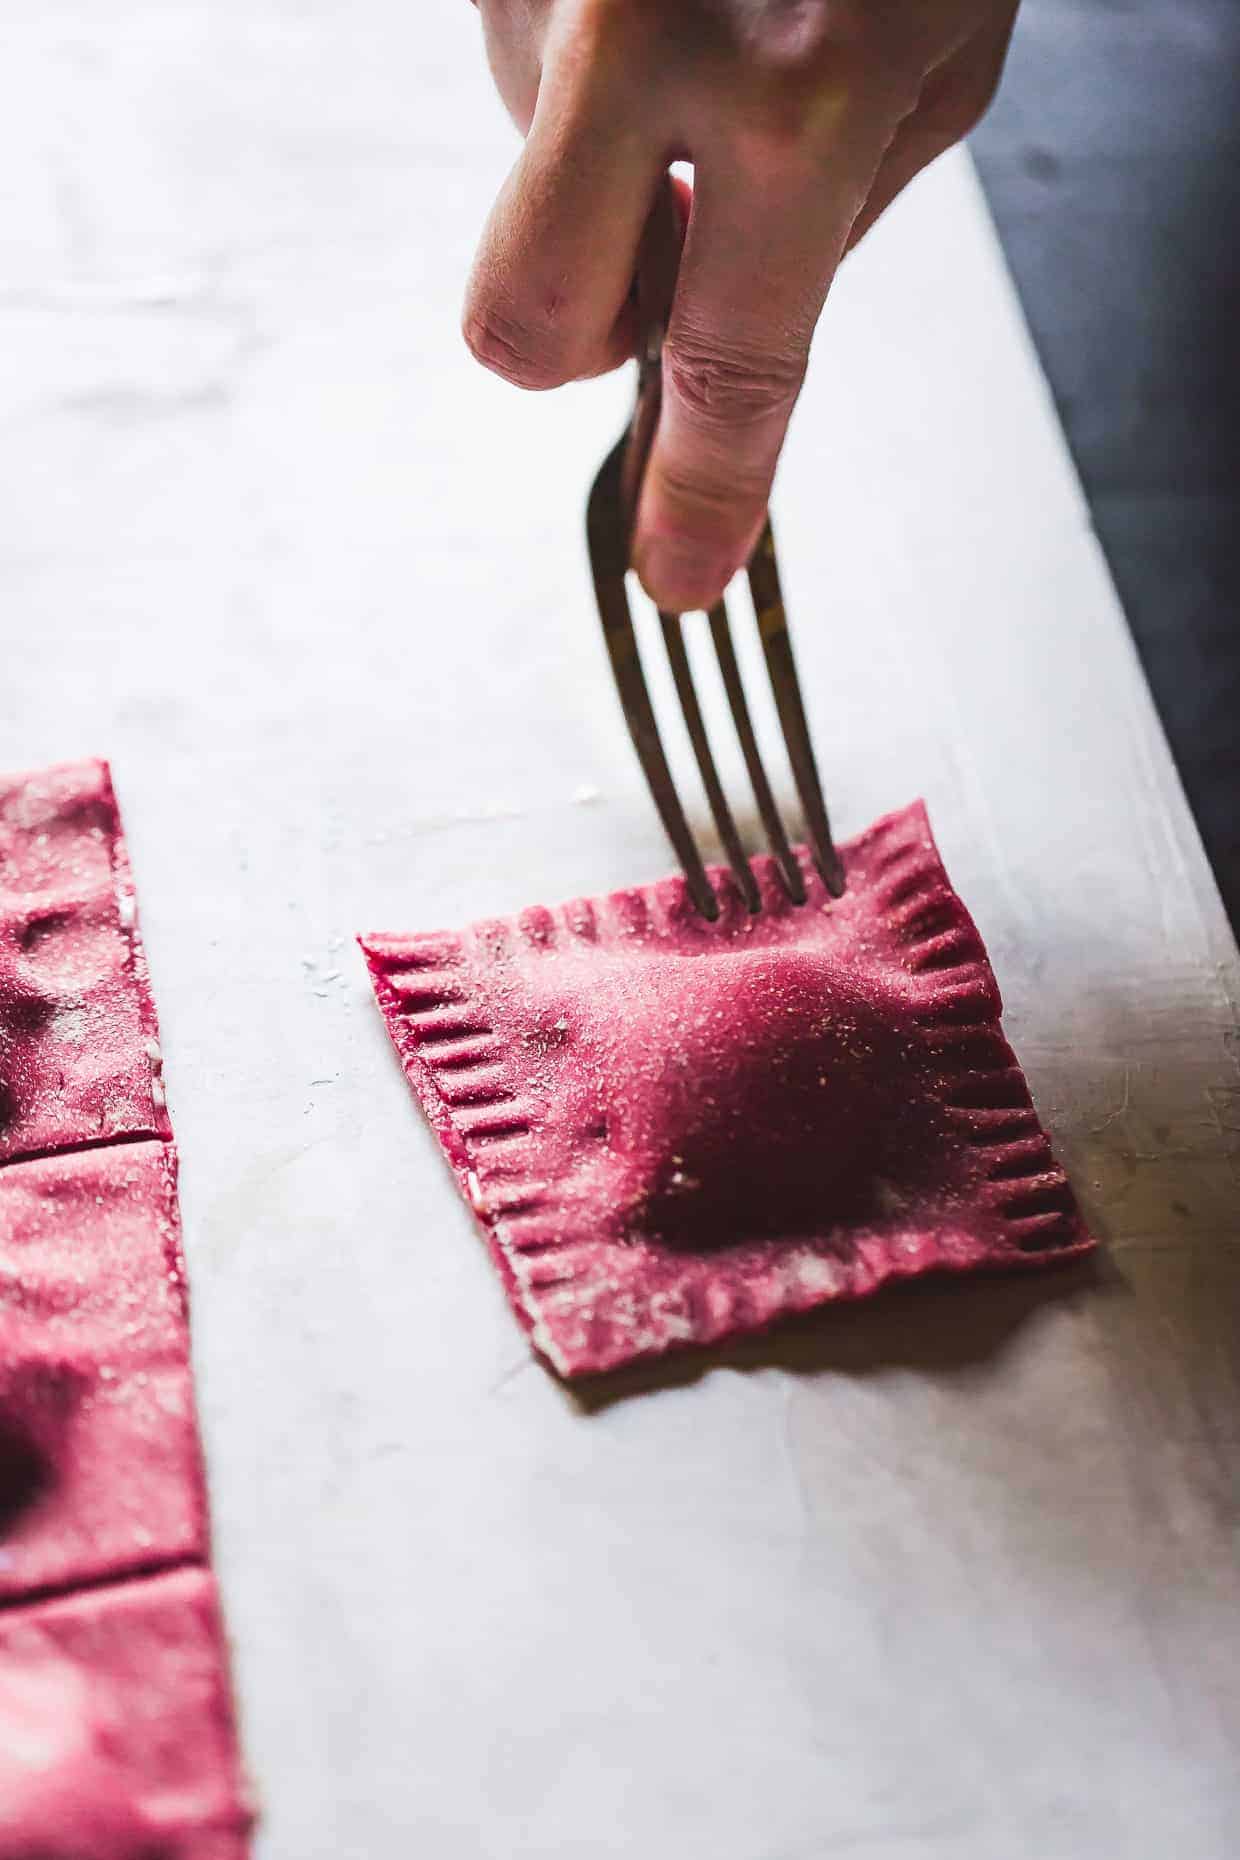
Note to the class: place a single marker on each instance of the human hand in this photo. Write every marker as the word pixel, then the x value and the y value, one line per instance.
pixel 803 120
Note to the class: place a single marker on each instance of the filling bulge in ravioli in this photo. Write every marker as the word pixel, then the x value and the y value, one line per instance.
pixel 712 1102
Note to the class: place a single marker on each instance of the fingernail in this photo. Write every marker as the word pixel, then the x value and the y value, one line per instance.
pixel 681 575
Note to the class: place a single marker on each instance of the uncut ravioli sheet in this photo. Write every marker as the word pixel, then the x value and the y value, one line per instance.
pixel 675 1132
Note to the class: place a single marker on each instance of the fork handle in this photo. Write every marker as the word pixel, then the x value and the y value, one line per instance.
pixel 658 261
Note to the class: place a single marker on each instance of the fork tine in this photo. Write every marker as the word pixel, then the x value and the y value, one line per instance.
pixel 608 540
pixel 794 883
pixel 678 658
pixel 609 520
pixel 768 605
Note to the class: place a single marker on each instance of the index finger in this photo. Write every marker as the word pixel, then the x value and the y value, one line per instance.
pixel 763 244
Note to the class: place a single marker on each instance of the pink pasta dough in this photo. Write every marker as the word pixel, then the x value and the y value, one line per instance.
pixel 116 1736
pixel 116 1729
pixel 99 1463
pixel 79 1060
pixel 674 1132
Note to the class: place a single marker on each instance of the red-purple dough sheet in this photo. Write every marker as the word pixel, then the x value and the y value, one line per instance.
pixel 116 1738
pixel 79 1058
pixel 116 1730
pixel 99 1464
pixel 674 1132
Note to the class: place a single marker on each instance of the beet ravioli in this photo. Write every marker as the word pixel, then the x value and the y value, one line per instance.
pixel 117 1735
pixel 675 1131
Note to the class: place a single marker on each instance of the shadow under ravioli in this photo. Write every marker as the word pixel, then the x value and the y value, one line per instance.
pixel 676 1131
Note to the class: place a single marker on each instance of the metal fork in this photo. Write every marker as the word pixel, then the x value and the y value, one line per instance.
pixel 609 523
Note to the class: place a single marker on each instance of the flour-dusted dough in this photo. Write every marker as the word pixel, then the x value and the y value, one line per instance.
pixel 675 1131
pixel 101 1470
pixel 116 1734
pixel 116 1730
pixel 79 1056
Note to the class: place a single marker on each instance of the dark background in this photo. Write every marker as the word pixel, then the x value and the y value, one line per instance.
pixel 1111 160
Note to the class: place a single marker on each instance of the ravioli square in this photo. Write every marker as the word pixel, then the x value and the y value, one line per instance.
pixel 79 1053
pixel 675 1132
pixel 100 1469
pixel 117 1739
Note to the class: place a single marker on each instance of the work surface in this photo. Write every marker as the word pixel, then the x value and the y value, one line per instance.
pixel 951 1575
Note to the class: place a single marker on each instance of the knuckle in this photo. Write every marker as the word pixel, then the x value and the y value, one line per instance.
pixel 812 40
pixel 795 40
pixel 725 385
pixel 513 346
pixel 815 67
